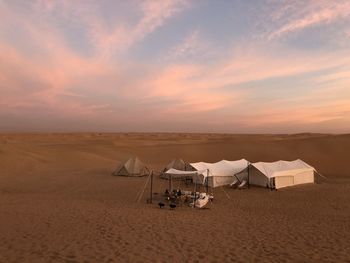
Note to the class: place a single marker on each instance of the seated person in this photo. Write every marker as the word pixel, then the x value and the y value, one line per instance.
pixel 179 192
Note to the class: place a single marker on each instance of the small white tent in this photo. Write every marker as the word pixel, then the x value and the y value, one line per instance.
pixel 221 173
pixel 281 173
pixel 177 164
pixel 132 167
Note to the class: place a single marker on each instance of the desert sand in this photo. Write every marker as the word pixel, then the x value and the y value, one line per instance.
pixel 60 203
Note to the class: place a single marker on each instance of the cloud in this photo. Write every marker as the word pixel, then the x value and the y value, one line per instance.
pixel 154 15
pixel 48 79
pixel 256 63
pixel 339 76
pixel 191 46
pixel 110 38
pixel 293 16
pixel 195 88
pixel 28 82
pixel 302 115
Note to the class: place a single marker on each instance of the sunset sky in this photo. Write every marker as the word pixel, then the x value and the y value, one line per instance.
pixel 238 66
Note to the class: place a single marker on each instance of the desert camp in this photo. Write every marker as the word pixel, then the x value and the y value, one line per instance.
pixel 146 131
pixel 238 174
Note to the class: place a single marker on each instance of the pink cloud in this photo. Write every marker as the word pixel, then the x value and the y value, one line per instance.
pixel 195 88
pixel 184 85
pixel 254 63
pixel 173 81
pixel 339 76
pixel 28 82
pixel 301 115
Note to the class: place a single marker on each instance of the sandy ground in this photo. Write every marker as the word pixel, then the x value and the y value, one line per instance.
pixel 59 202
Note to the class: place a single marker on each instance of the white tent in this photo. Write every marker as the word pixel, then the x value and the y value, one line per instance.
pixel 281 174
pixel 177 164
pixel 132 167
pixel 221 173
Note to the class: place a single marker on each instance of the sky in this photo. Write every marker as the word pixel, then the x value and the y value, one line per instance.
pixel 235 66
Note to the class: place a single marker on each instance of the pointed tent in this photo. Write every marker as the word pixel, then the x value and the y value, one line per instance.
pixel 132 167
pixel 175 164
pixel 178 164
pixel 281 173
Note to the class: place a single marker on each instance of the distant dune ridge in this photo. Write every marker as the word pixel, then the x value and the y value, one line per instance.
pixel 59 202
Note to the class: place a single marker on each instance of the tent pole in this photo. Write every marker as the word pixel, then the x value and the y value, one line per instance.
pixel 248 174
pixel 143 190
pixel 195 194
pixel 151 196
pixel 228 197
pixel 324 177
pixel 235 175
pixel 207 185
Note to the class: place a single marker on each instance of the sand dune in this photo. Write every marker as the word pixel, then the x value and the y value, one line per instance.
pixel 59 202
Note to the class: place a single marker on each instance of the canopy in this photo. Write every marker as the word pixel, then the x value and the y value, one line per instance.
pixel 173 171
pixel 282 168
pixel 183 174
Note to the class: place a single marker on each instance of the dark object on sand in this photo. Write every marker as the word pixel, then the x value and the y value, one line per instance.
pixel 166 193
pixel 172 206
pixel 161 205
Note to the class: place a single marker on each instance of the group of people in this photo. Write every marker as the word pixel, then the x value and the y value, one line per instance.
pixel 174 193
pixel 176 196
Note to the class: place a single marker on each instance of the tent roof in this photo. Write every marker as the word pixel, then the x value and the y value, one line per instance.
pixel 222 168
pixel 178 164
pixel 282 168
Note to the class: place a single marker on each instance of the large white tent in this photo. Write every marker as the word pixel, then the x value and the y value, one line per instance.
pixel 281 173
pixel 221 173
